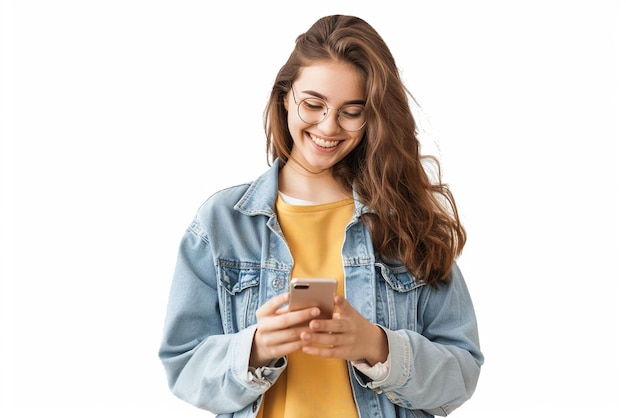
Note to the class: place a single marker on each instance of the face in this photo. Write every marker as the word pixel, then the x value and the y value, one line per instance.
pixel 320 146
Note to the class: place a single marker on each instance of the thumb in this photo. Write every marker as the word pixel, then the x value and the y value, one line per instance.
pixel 341 305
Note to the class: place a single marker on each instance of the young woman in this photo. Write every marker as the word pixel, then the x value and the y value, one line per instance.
pixel 347 197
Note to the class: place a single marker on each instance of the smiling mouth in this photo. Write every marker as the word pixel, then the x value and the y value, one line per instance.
pixel 323 143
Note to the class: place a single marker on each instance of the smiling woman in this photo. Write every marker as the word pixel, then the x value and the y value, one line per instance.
pixel 346 198
pixel 116 118
pixel 320 141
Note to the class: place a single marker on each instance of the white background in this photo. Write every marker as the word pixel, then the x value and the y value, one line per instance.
pixel 120 117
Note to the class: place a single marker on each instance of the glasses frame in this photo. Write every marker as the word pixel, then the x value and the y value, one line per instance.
pixel 328 109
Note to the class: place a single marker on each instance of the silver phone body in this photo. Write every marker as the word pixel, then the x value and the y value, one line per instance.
pixel 316 292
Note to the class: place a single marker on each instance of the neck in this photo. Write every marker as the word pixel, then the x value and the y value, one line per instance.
pixel 297 181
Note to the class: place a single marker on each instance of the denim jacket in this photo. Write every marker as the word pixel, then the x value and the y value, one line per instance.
pixel 233 258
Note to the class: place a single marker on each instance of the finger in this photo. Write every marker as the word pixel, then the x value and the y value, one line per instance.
pixel 300 318
pixel 277 344
pixel 341 304
pixel 340 300
pixel 325 338
pixel 324 351
pixel 272 306
pixel 287 348
pixel 337 325
pixel 281 336
pixel 289 319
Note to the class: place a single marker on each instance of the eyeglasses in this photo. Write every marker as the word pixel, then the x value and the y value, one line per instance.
pixel 312 110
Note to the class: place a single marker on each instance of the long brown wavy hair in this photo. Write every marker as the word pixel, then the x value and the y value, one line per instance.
pixel 412 217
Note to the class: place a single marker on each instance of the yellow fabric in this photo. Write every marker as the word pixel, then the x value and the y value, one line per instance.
pixel 313 386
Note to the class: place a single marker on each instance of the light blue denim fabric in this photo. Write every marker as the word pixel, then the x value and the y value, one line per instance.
pixel 233 258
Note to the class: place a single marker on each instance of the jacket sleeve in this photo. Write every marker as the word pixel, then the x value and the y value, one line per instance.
pixel 437 369
pixel 204 366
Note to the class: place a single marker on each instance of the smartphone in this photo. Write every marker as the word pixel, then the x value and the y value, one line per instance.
pixel 317 292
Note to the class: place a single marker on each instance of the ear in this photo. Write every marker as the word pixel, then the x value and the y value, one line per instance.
pixel 286 100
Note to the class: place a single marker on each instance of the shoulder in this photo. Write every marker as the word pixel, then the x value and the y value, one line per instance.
pixel 452 296
pixel 217 212
pixel 222 201
pixel 236 206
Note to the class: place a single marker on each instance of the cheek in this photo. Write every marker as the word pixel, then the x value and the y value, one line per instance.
pixel 357 140
pixel 292 123
pixel 295 124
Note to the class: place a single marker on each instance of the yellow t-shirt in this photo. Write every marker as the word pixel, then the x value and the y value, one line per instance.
pixel 313 386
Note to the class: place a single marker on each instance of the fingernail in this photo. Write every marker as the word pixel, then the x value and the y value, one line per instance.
pixel 315 312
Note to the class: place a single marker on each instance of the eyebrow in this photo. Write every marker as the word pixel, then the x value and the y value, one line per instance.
pixel 321 96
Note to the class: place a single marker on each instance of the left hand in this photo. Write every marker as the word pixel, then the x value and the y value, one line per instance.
pixel 347 336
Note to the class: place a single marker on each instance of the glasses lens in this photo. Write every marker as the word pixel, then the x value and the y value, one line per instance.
pixel 352 118
pixel 313 111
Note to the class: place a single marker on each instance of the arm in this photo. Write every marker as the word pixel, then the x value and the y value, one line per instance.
pixel 204 366
pixel 437 369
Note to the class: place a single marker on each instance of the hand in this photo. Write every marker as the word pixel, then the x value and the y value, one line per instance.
pixel 347 336
pixel 278 331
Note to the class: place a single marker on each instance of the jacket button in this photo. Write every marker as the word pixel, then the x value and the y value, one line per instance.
pixel 277 284
pixel 255 405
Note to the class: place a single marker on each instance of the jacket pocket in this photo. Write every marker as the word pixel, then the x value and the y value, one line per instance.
pixel 396 296
pixel 238 294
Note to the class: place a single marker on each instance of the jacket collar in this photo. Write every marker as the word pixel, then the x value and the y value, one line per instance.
pixel 260 197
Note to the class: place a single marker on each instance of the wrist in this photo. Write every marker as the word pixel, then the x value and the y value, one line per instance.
pixel 256 359
pixel 379 347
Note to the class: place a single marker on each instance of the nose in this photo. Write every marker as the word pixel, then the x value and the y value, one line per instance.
pixel 330 124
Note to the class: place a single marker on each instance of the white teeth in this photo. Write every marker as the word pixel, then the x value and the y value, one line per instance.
pixel 323 143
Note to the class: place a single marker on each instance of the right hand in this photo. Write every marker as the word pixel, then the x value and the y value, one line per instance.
pixel 278 330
